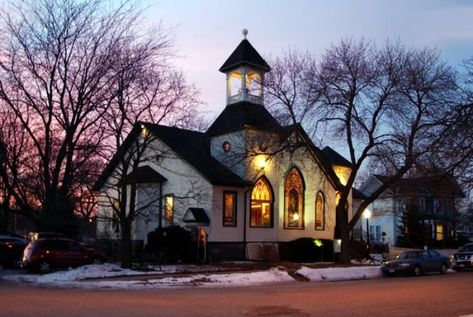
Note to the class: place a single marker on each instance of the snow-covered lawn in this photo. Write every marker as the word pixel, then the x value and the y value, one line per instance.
pixel 112 276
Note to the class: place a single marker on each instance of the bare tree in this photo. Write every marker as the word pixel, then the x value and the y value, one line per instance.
pixel 384 104
pixel 146 88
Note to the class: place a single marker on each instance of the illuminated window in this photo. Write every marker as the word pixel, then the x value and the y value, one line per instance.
pixel 320 211
pixel 439 232
pixel 169 208
pixel 253 83
pixel 261 204
pixel 294 200
pixel 229 209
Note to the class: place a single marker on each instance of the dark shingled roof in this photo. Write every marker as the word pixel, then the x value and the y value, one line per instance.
pixel 237 116
pixel 194 147
pixel 335 158
pixel 144 174
pixel 197 215
pixel 438 185
pixel 245 53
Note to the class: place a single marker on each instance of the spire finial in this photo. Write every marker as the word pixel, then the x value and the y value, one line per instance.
pixel 244 32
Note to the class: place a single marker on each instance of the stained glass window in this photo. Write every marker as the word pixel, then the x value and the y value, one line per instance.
pixel 261 204
pixel 319 211
pixel 294 200
pixel 169 208
pixel 229 209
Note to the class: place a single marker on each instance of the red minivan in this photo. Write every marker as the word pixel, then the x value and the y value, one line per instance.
pixel 44 254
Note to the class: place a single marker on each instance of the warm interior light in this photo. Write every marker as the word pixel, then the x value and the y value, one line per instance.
pixel 261 162
pixel 295 216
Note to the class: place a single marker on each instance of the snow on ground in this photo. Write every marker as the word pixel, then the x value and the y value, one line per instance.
pixel 340 273
pixel 112 276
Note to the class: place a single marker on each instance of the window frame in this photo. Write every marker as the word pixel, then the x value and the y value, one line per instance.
pixel 169 219
pixel 235 208
pixel 271 202
pixel 301 199
pixel 322 227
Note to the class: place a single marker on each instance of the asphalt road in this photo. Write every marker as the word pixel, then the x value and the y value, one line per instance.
pixel 434 295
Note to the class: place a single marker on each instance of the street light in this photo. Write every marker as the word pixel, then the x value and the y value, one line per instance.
pixel 367 215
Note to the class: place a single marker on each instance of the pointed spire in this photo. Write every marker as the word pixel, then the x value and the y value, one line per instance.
pixel 245 53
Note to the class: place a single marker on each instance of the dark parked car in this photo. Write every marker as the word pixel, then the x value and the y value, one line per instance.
pixel 416 263
pixel 44 254
pixel 11 250
pixel 463 258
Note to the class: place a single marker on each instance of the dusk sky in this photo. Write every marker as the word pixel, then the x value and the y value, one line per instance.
pixel 208 31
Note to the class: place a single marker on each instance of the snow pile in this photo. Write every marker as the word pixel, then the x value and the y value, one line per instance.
pixel 202 280
pixel 340 273
pixel 83 272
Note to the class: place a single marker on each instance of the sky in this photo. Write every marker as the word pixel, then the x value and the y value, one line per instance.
pixel 207 31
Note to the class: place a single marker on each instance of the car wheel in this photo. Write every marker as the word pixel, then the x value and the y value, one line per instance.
pixel 44 267
pixel 443 269
pixel 417 270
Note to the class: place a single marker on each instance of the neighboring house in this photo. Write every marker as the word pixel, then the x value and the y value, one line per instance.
pixel 428 201
pixel 245 183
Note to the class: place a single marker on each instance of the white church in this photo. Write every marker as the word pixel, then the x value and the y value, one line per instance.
pixel 246 183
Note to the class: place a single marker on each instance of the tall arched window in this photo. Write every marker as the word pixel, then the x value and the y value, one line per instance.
pixel 294 200
pixel 261 204
pixel 320 211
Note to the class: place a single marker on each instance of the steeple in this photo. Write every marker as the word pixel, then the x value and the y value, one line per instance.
pixel 245 69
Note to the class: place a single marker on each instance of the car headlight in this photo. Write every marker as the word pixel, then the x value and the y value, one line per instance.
pixel 404 264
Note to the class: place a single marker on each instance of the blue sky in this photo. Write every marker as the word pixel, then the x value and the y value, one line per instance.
pixel 207 31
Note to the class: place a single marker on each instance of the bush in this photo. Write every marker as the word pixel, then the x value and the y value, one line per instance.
pixel 172 244
pixel 306 250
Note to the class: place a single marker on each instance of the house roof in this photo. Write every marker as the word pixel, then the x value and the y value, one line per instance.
pixel 144 174
pixel 335 158
pixel 197 215
pixel 245 53
pixel 237 116
pixel 194 147
pixel 437 185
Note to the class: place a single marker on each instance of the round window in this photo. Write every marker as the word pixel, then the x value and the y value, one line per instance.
pixel 226 146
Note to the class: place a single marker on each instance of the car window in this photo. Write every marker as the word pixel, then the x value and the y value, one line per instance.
pixel 73 246
pixel 54 244
pixel 425 255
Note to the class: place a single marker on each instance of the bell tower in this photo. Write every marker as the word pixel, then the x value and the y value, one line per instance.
pixel 245 69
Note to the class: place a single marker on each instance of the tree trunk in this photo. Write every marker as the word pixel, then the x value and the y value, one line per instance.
pixel 125 254
pixel 342 232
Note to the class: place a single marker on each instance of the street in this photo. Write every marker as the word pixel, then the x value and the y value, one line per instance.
pixel 432 295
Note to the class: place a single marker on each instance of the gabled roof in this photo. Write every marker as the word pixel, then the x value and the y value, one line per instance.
pixel 197 215
pixel 144 174
pixel 436 185
pixel 245 53
pixel 335 158
pixel 320 157
pixel 237 116
pixel 192 146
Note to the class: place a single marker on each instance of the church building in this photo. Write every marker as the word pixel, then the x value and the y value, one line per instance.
pixel 247 184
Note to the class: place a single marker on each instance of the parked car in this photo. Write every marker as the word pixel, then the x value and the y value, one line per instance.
pixel 416 263
pixel 463 258
pixel 45 254
pixel 11 249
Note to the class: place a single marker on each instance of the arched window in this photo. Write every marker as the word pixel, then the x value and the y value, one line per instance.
pixel 294 200
pixel 319 211
pixel 261 204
